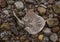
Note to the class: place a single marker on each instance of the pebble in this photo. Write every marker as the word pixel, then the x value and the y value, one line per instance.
pixel 23 38
pixel 43 1
pixel 51 1
pixel 5 25
pixel 41 37
pixel 10 1
pixel 20 14
pixel 34 23
pixel 19 5
pixel 54 37
pixel 59 34
pixel 30 1
pixel 52 22
pixel 56 8
pixel 14 30
pixel 55 29
pixel 47 31
pixel 57 3
pixel 42 10
pixel 3 3
pixel 46 39
pixel 59 39
pixel 5 38
pixel 4 33
pixel 6 12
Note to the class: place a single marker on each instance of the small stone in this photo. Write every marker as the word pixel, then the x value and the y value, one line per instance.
pixel 10 1
pixel 30 1
pixel 54 37
pixel 14 30
pixel 4 33
pixel 20 14
pixel 41 10
pixel 5 25
pixel 56 8
pixel 47 31
pixel 57 2
pixel 59 39
pixel 52 22
pixel 46 39
pixel 19 5
pixel 51 1
pixel 5 38
pixel 3 3
pixel 23 38
pixel 43 1
pixel 59 34
pixel 6 12
pixel 41 37
pixel 55 29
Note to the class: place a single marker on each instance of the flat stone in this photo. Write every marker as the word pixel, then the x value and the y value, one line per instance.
pixel 34 23
pixel 52 22
pixel 54 37
pixel 19 5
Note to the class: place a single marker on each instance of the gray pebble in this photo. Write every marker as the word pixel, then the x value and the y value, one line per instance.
pixel 46 39
pixel 54 37
pixel 19 5
pixel 47 31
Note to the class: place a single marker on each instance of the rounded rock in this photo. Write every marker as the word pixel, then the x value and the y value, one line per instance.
pixel 55 29
pixel 41 10
pixel 52 22
pixel 47 31
pixel 19 5
pixel 54 37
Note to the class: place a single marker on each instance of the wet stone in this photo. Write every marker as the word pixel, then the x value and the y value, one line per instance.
pixel 19 5
pixel 54 37
pixel 3 3
pixel 52 22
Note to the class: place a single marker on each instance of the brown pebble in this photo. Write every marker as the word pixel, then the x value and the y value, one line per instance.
pixel 41 10
pixel 3 3
pixel 55 29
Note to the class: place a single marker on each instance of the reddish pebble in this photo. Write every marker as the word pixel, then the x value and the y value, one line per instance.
pixel 55 29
